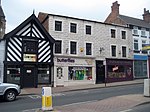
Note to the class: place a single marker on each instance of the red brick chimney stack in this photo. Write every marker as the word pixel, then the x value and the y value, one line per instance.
pixel 146 15
pixel 115 8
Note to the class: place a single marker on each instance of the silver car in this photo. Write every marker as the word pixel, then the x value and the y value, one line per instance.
pixel 9 91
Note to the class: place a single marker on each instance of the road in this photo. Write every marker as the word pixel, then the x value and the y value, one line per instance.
pixel 25 103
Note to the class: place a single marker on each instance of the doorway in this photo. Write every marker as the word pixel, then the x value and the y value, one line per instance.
pixel 29 76
pixel 100 72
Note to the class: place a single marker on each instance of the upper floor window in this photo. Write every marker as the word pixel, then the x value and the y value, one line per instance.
pixel 136 45
pixel 73 27
pixel 58 44
pixel 88 29
pixel 124 51
pixel 143 32
pixel 73 47
pixel 30 46
pixel 58 25
pixel 113 50
pixel 123 33
pixel 135 30
pixel 143 43
pixel 113 33
pixel 88 48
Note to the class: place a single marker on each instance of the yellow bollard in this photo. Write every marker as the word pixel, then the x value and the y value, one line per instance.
pixel 46 98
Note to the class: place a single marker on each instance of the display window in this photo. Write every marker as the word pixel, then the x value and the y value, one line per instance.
pixel 43 74
pixel 80 73
pixel 13 74
pixel 119 71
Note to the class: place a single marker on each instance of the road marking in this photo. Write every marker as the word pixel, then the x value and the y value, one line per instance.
pixel 58 94
pixel 34 96
pixel 128 110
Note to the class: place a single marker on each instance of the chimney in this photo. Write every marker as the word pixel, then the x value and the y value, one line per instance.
pixel 146 15
pixel 115 8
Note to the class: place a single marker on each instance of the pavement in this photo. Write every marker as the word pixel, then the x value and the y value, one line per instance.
pixel 114 104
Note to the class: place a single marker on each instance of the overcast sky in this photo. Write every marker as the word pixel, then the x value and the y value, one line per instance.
pixel 16 11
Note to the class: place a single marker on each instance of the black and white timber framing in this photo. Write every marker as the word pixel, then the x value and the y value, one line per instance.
pixel 29 39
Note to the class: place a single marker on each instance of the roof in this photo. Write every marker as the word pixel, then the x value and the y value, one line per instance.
pixel 1 12
pixel 134 21
pixel 80 19
pixel 31 19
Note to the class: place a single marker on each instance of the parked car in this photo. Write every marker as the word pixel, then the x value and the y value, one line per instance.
pixel 9 91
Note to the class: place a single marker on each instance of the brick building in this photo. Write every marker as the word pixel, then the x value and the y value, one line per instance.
pixel 140 37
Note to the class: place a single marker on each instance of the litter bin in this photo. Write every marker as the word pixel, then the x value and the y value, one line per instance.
pixel 146 87
pixel 46 98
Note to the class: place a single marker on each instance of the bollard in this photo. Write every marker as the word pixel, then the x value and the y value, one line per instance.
pixel 147 87
pixel 46 98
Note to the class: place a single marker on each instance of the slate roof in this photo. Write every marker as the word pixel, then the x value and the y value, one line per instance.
pixel 1 12
pixel 134 21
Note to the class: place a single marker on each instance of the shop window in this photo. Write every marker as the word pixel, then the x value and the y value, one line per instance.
pixel 88 48
pixel 13 74
pixel 80 73
pixel 119 71
pixel 58 44
pixel 113 33
pixel 73 27
pixel 123 33
pixel 124 51
pixel 58 25
pixel 113 51
pixel 73 47
pixel 43 74
pixel 88 29
pixel 140 69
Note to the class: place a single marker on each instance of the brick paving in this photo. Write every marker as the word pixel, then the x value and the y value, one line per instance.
pixel 113 104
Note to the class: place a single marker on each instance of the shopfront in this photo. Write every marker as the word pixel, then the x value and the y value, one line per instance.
pixel 72 71
pixel 140 66
pixel 29 54
pixel 119 70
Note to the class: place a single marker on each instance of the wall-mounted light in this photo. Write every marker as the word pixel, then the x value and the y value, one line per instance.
pixel 101 49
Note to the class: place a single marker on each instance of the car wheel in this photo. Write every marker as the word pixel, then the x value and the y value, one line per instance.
pixel 10 95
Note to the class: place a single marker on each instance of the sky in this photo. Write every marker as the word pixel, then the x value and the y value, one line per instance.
pixel 16 11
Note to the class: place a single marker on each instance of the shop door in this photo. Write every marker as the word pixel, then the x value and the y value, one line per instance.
pixel 100 72
pixel 28 77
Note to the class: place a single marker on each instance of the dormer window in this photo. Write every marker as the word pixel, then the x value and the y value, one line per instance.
pixel 143 32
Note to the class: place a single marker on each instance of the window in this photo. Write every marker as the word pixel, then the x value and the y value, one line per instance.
pixel 43 74
pixel 136 45
pixel 80 73
pixel 113 50
pixel 73 27
pixel 58 25
pixel 113 33
pixel 73 47
pixel 13 74
pixel 143 43
pixel 58 46
pixel 124 51
pixel 88 29
pixel 123 33
pixel 143 32
pixel 30 46
pixel 135 31
pixel 88 49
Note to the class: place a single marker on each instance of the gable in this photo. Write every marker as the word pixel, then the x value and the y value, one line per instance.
pixel 31 27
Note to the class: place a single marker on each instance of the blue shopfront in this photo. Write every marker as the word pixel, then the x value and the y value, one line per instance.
pixel 140 66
